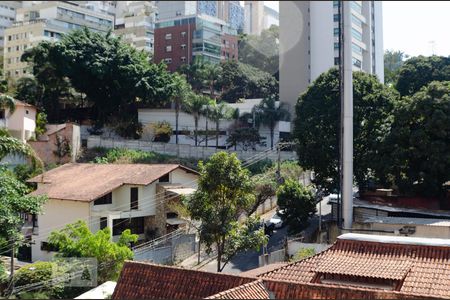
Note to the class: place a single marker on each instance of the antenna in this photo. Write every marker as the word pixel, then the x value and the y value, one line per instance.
pixel 433 44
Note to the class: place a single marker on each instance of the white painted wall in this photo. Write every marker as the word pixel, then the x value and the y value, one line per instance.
pixel 22 122
pixel 181 176
pixel 56 213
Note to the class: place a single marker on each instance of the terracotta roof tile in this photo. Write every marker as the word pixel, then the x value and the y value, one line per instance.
pixel 87 182
pixel 418 269
pixel 148 281
pixel 264 269
pixel 252 290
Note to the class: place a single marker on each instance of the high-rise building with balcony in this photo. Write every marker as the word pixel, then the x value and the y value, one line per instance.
pixel 309 42
pixel 46 21
pixel 229 11
pixel 181 40
pixel 136 23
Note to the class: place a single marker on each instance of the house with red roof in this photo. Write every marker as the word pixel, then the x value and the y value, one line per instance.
pixel 356 266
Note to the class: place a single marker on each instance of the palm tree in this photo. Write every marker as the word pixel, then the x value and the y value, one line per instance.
pixel 207 111
pixel 180 93
pixel 221 111
pixel 7 102
pixel 194 74
pixel 269 112
pixel 211 73
pixel 194 106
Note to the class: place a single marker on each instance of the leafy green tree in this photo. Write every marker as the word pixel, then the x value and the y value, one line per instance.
pixel 268 113
pixel 50 86
pixel 224 193
pixel 41 121
pixel 418 71
pixel 220 111
pixel 13 201
pixel 195 74
pixel 76 240
pixel 318 121
pixel 240 80
pixel 247 138
pixel 417 150
pixel 7 102
pixel 211 74
pixel 393 60
pixel 30 91
pixel 194 106
pixel 297 203
pixel 261 51
pixel 12 146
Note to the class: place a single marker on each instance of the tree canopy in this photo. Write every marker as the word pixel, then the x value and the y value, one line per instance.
pixel 114 76
pixel 318 119
pixel 418 71
pixel 261 51
pixel 224 192
pixel 417 151
pixel 297 203
pixel 393 60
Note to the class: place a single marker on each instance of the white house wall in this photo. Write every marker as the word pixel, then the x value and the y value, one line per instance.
pixel 56 214
pixel 181 176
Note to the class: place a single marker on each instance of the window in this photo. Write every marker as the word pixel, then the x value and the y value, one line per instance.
pixel 356 34
pixel 106 199
pixel 46 246
pixel 183 46
pixel 336 31
pixel 336 61
pixel 134 201
pixel 183 58
pixel 183 33
pixel 336 46
pixel 164 178
pixel 336 18
pixel 357 49
pixel 9 49
pixel 9 37
pixel 136 225
pixel 27 112
pixel 168 60
pixel 168 36
pixel 356 62
pixel 2 114
pixel 169 48
pixel 103 222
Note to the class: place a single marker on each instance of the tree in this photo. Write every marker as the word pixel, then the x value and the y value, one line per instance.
pixel 41 121
pixel 7 102
pixel 297 203
pixel 211 74
pixel 30 91
pixel 268 113
pixel 14 201
pixel 418 71
pixel 317 124
pixel 207 113
pixel 114 76
pixel 195 74
pixel 247 138
pixel 240 80
pixel 181 91
pixel 224 192
pixel 417 149
pixel 220 111
pixel 261 51
pixel 76 240
pixel 393 60
pixel 194 106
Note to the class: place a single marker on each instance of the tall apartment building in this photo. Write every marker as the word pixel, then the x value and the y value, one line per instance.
pixel 309 42
pixel 46 21
pixel 135 25
pixel 181 40
pixel 259 17
pixel 7 17
pixel 105 7
pixel 229 11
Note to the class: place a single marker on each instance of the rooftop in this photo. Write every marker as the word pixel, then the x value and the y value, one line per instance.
pixel 87 182
pixel 408 221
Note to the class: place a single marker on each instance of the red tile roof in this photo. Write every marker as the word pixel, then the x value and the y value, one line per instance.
pixel 140 280
pixel 252 290
pixel 264 269
pixel 87 182
pixel 415 268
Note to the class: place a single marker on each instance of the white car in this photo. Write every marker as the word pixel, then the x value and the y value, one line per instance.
pixel 276 220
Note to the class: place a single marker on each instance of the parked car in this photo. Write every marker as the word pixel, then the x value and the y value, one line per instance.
pixel 276 221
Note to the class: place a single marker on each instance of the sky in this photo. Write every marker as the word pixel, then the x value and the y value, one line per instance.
pixel 414 27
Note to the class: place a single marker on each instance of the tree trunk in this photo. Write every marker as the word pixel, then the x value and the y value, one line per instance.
pixel 217 134
pixel 195 131
pixel 271 137
pixel 177 114
pixel 219 258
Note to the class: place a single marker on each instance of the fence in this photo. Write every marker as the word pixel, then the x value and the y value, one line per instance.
pixel 180 150
pixel 168 249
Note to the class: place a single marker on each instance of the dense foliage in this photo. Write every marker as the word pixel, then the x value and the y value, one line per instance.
pixel 114 77
pixel 224 192
pixel 297 204
pixel 317 126
pixel 76 240
pixel 393 60
pixel 418 71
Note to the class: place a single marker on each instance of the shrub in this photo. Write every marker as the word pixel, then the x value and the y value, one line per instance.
pixel 163 132
pixel 303 253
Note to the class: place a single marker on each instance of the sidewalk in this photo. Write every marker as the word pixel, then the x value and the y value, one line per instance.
pixel 192 261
